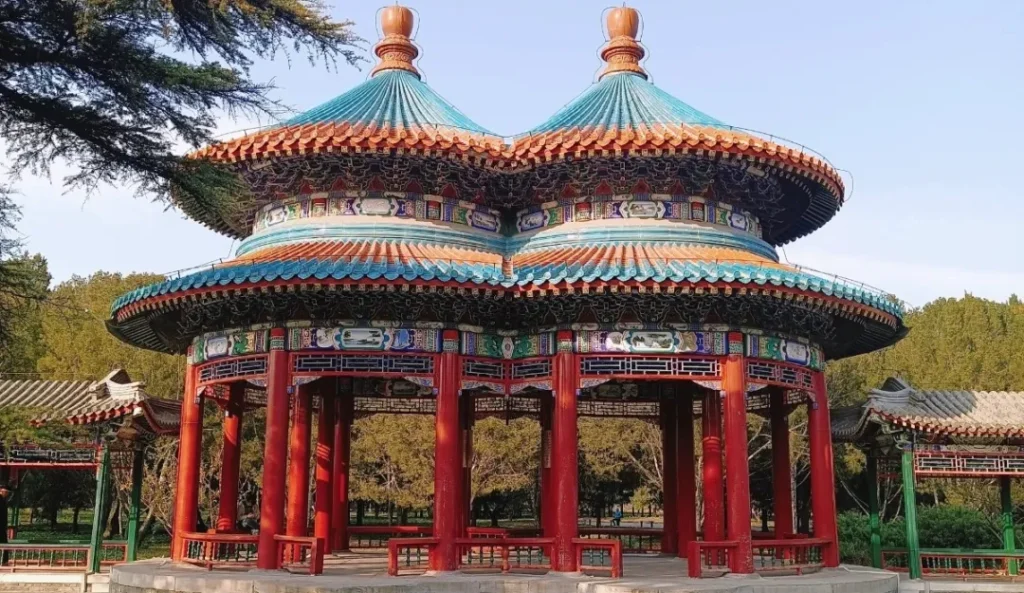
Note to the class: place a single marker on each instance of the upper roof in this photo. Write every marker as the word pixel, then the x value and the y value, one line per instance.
pixel 90 402
pixel 394 108
pixel 979 414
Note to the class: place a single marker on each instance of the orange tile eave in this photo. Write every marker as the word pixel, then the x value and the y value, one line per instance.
pixel 670 140
pixel 366 251
pixel 342 137
pixel 525 152
pixel 836 305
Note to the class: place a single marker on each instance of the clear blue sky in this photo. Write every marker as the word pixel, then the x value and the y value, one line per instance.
pixel 920 100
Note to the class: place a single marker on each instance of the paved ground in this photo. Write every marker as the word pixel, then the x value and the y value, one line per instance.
pixel 362 573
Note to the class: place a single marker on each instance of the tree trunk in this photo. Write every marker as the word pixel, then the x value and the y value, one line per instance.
pixel 74 519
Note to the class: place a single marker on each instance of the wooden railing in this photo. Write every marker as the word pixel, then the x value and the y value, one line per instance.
pixel 306 553
pixel 220 550
pixel 494 554
pixel 62 556
pixel 598 555
pixel 634 540
pixel 487 532
pixel 952 562
pixel 791 554
pixel 362 537
pixel 409 553
pixel 710 558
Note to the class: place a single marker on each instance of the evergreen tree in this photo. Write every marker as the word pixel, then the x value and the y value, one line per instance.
pixel 111 87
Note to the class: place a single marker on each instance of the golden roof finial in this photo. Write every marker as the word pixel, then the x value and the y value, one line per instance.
pixel 622 52
pixel 396 50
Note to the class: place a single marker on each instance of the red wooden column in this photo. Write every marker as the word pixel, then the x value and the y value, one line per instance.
pixel 564 464
pixel 711 472
pixel 737 474
pixel 547 504
pixel 344 413
pixel 686 479
pixel 190 447
pixel 467 462
pixel 297 514
pixel 782 478
pixel 669 422
pixel 325 452
pixel 227 512
pixel 275 451
pixel 447 459
pixel 823 489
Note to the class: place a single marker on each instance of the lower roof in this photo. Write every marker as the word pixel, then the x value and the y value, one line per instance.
pixel 897 406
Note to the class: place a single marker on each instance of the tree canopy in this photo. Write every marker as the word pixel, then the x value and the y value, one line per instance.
pixel 114 88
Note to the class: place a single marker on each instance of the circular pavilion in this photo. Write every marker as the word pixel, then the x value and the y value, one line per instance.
pixel 617 260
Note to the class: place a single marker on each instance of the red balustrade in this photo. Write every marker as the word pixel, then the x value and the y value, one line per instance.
pixel 601 555
pixel 409 553
pixel 306 553
pixel 377 536
pixel 219 550
pixel 710 558
pixel 488 532
pixel 634 540
pixel 495 554
pixel 796 555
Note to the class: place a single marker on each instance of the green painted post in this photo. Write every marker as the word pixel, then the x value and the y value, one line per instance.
pixel 910 512
pixel 138 463
pixel 96 541
pixel 1009 545
pixel 874 520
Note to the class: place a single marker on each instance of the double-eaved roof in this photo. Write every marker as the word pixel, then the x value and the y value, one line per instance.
pixel 897 406
pixel 115 397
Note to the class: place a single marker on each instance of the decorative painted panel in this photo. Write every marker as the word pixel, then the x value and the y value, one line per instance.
pixel 387 204
pixel 508 347
pixel 235 342
pixel 365 338
pixel 785 350
pixel 649 206
pixel 651 342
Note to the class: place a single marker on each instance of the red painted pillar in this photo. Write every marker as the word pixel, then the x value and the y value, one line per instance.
pixel 669 485
pixel 564 462
pixel 711 472
pixel 547 504
pixel 686 479
pixel 227 513
pixel 344 413
pixel 447 460
pixel 325 452
pixel 190 447
pixel 737 474
pixel 297 514
pixel 468 420
pixel 275 451
pixel 823 490
pixel 782 479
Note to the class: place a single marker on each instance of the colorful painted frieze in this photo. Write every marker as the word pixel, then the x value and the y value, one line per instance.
pixel 784 350
pixel 365 338
pixel 238 342
pixel 507 347
pixel 645 206
pixel 387 204
pixel 651 342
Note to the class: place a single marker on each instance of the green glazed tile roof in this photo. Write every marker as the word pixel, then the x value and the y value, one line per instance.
pixel 394 98
pixel 625 101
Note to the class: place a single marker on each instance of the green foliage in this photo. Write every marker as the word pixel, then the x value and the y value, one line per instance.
pixel 107 87
pixel 944 526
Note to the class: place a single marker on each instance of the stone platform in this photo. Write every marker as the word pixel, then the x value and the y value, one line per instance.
pixel 362 573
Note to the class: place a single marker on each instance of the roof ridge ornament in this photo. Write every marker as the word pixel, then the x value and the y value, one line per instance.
pixel 623 51
pixel 396 49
